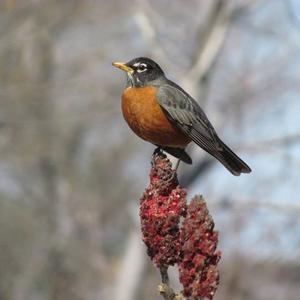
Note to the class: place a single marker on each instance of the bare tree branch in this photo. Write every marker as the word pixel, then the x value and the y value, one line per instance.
pixel 250 204
pixel 290 12
pixel 131 269
pixel 148 30
pixel 210 39
pixel 259 146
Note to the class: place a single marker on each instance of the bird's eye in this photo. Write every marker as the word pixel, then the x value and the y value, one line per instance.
pixel 142 67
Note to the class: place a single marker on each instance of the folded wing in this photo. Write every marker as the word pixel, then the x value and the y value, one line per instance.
pixel 185 112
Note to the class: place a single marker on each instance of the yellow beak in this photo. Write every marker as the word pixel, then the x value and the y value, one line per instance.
pixel 123 67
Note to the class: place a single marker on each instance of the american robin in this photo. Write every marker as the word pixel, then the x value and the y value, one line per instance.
pixel 161 112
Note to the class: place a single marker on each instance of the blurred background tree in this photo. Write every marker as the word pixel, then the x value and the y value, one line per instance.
pixel 71 172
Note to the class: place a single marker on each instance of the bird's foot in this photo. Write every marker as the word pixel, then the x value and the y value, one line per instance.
pixel 157 152
pixel 168 178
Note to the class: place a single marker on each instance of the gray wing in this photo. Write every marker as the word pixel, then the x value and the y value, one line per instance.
pixel 185 112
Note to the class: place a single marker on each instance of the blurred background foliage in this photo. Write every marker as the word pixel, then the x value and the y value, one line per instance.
pixel 71 172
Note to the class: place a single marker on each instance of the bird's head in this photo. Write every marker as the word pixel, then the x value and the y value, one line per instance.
pixel 141 71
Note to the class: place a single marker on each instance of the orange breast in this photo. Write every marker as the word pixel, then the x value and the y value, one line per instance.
pixel 147 119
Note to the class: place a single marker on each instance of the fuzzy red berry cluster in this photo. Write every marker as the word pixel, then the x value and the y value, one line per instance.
pixel 177 233
pixel 162 206
pixel 198 271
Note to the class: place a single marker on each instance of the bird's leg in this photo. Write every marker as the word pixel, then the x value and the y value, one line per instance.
pixel 177 165
pixel 174 172
pixel 156 152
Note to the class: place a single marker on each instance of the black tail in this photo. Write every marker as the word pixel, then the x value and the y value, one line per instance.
pixel 226 156
pixel 231 161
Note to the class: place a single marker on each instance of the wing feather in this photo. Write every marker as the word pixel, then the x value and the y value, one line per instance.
pixel 182 109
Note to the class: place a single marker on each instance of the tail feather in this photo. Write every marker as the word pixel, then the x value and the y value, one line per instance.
pixel 231 161
pixel 226 156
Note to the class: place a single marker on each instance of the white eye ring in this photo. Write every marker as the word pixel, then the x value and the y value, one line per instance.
pixel 142 68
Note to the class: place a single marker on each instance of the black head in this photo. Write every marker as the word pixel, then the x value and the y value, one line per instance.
pixel 141 71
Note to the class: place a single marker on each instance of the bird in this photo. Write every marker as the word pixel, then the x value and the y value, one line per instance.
pixel 161 112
